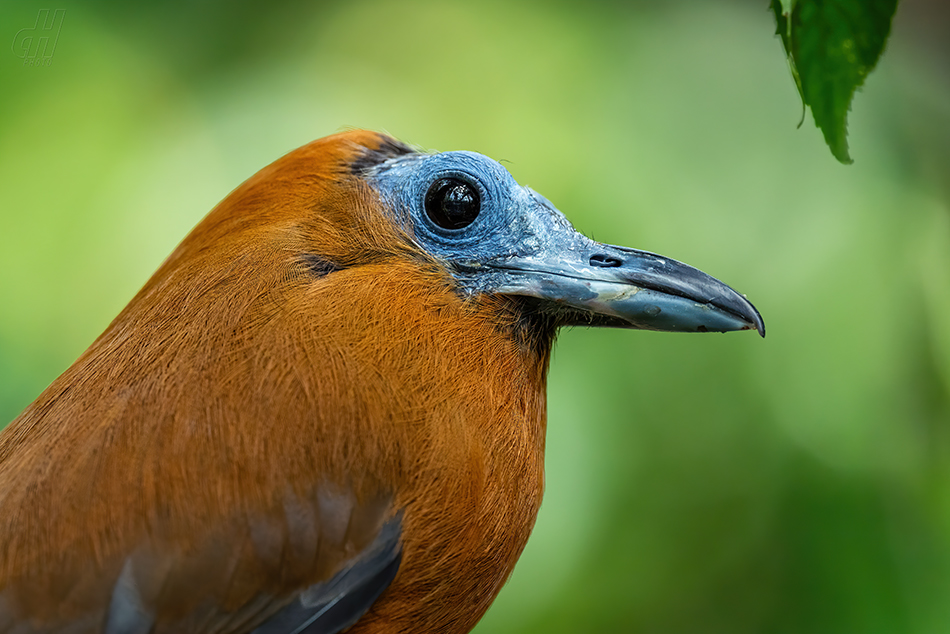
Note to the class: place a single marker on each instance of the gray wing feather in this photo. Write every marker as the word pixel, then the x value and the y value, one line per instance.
pixel 336 604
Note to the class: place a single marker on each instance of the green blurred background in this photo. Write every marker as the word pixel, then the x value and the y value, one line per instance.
pixel 716 483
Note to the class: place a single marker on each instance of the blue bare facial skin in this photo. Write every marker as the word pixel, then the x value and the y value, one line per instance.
pixel 498 237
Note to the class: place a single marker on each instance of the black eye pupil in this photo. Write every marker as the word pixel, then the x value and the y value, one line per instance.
pixel 452 203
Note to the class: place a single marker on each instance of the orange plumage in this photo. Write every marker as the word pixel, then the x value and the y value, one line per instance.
pixel 300 373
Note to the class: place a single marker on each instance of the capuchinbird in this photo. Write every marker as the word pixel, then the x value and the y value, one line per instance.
pixel 325 410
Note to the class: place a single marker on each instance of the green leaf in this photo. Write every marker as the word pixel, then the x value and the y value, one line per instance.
pixel 832 45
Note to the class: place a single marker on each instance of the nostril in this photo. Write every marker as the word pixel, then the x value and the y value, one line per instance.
pixel 604 261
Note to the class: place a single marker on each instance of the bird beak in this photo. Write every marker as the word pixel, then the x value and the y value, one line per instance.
pixel 604 285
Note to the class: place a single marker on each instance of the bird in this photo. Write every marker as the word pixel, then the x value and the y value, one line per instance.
pixel 326 410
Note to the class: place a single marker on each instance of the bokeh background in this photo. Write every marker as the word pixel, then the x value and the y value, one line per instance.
pixel 717 483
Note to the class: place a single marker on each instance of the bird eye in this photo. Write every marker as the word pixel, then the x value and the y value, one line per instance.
pixel 452 203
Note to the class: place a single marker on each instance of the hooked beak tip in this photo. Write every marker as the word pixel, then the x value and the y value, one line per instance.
pixel 759 324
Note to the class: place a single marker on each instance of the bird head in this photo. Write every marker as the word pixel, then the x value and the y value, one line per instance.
pixel 360 198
